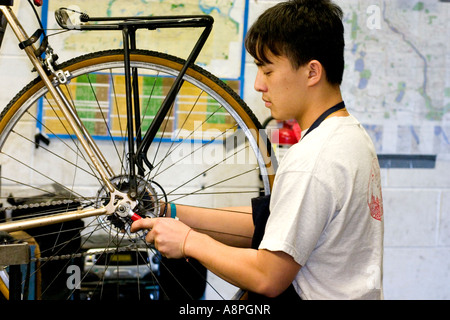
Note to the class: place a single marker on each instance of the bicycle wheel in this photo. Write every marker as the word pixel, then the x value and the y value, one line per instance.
pixel 209 152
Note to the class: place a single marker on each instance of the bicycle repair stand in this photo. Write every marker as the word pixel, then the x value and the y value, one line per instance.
pixel 14 255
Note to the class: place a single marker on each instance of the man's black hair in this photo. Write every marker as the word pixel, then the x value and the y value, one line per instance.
pixel 301 30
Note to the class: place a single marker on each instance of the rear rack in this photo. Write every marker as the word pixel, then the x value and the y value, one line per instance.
pixel 69 19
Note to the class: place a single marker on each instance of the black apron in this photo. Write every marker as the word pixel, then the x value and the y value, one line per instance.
pixel 261 212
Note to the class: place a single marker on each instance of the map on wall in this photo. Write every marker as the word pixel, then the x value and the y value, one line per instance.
pixel 221 55
pixel 396 79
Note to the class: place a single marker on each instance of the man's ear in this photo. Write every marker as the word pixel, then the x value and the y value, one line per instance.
pixel 316 72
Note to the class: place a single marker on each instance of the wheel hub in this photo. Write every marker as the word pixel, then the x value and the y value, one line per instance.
pixel 146 200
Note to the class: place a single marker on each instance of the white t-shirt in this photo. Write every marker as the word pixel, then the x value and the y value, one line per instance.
pixel 327 213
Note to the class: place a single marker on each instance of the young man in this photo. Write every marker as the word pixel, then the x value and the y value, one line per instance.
pixel 324 234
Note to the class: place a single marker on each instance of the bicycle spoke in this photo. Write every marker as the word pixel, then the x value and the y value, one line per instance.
pixel 174 139
pixel 103 117
pixel 69 134
pixel 215 184
pixel 56 155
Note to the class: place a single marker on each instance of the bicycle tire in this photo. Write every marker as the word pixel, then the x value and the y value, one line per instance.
pixel 31 168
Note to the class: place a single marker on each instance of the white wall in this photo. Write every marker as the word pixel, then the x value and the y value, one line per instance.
pixel 416 201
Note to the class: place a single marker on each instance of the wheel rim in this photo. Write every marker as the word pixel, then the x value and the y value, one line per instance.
pixel 171 153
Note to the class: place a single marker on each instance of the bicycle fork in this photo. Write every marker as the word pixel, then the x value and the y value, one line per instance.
pixel 93 152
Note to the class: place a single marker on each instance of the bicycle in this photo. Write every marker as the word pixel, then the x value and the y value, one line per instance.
pixel 75 186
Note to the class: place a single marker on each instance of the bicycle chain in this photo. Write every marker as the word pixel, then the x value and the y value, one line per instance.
pixel 54 203
pixel 40 204
pixel 82 254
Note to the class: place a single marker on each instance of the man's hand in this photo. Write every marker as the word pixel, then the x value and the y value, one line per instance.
pixel 166 234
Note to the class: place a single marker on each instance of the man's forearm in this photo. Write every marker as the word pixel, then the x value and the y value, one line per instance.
pixel 261 271
pixel 231 226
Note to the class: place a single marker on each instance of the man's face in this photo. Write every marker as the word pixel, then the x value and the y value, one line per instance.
pixel 282 87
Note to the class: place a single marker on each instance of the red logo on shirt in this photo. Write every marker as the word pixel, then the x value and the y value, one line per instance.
pixel 374 196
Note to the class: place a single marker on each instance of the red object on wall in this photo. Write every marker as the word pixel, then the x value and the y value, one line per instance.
pixel 288 134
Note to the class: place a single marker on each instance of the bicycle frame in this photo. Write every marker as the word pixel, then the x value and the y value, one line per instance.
pixel 137 156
